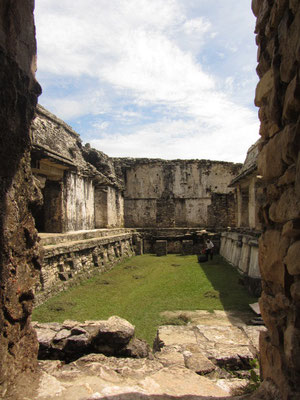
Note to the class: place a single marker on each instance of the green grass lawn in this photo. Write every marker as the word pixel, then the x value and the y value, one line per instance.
pixel 140 288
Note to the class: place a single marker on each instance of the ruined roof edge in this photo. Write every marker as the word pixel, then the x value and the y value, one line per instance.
pixel 43 111
pixel 149 160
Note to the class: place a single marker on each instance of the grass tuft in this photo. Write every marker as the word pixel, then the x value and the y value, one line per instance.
pixel 181 319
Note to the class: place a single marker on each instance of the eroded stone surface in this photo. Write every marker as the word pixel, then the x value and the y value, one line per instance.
pixel 186 363
pixel 19 253
pixel 71 339
pixel 228 346
pixel 97 376
pixel 278 32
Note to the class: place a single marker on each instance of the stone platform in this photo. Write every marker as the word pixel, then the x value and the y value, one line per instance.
pixel 74 256
pixel 186 364
pixel 59 238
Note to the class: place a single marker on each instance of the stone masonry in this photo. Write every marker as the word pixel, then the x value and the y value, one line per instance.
pixel 19 255
pixel 278 98
pixel 70 258
pixel 177 193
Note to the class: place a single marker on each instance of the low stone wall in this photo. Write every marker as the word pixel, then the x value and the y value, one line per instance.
pixel 79 255
pixel 241 250
pixel 71 257
pixel 176 239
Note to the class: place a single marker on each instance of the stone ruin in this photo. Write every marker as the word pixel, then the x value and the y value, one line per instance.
pixel 94 210
pixel 277 96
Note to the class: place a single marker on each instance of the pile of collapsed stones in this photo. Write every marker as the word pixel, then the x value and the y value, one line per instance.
pixel 209 356
pixel 72 339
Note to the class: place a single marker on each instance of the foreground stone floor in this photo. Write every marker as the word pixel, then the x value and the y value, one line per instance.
pixel 188 363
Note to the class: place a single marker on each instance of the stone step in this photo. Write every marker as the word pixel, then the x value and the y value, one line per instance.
pixel 99 377
pixel 83 243
pixel 48 239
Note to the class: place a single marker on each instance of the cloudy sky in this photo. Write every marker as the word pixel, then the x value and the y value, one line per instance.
pixel 151 78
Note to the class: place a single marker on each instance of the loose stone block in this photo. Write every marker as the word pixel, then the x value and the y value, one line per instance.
pixel 291 102
pixel 272 248
pixel 161 247
pixel 292 260
pixel 264 87
pixel 187 247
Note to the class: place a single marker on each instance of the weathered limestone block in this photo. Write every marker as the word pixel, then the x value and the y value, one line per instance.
pixel 288 177
pixel 67 263
pixel 270 361
pixel 289 44
pixel 253 271
pixel 264 87
pixel 119 378
pixel 277 12
pixel 268 127
pixel 292 346
pixel 161 247
pixel 292 259
pixel 222 345
pixel 272 250
pixel 274 310
pixel 72 339
pixel 286 208
pixel 291 106
pixel 198 362
pixel 279 150
pixel 256 4
pixel 291 228
pixel 263 14
pixel 136 348
pixel 19 255
pixel 295 291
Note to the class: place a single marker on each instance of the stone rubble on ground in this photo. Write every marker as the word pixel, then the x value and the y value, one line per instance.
pixel 188 360
pixel 72 339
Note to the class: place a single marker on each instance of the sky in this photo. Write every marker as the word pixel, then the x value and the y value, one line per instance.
pixel 151 78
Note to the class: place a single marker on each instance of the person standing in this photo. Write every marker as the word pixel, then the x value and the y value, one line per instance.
pixel 209 249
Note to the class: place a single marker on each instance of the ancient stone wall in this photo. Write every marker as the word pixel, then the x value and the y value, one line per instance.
pixel 77 184
pixel 70 258
pixel 241 250
pixel 177 239
pixel 177 193
pixel 19 256
pixel 278 97
pixel 79 203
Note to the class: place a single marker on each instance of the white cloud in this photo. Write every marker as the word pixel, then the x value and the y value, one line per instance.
pixel 76 106
pixel 174 139
pixel 196 25
pixel 145 54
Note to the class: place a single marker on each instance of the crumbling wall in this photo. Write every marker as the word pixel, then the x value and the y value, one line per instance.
pixel 19 256
pixel 177 193
pixel 70 258
pixel 79 203
pixel 86 191
pixel 278 96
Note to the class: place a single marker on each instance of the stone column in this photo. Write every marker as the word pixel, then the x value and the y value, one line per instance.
pixel 278 97
pixel 239 206
pixel 19 257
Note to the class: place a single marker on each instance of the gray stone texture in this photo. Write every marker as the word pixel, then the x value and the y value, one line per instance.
pixel 72 257
pixel 19 254
pixel 177 193
pixel 277 95
pixel 72 339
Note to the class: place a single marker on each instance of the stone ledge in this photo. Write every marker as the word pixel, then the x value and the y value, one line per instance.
pixel 67 247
